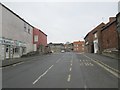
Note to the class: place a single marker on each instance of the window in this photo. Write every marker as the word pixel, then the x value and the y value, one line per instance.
pixel 82 45
pixel 95 35
pixel 28 29
pixel 36 38
pixel 25 28
pixel 16 50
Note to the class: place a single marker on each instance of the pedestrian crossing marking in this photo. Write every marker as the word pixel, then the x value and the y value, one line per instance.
pixel 86 63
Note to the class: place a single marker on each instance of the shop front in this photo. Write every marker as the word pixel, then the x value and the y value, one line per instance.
pixel 11 48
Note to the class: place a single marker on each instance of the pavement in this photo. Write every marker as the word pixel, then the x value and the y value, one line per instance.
pixel 62 70
pixel 9 62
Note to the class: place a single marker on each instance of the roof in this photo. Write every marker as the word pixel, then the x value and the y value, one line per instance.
pixel 118 14
pixel 78 42
pixel 99 27
pixel 20 17
pixel 15 14
pixel 55 44
pixel 108 24
pixel 40 31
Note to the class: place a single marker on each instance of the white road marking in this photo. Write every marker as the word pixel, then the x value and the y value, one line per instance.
pixel 86 64
pixel 42 75
pixel 59 59
pixel 91 64
pixel 17 64
pixel 103 66
pixel 71 64
pixel 80 60
pixel 81 64
pixel 85 87
pixel 112 72
pixel 69 77
pixel 0 68
pixel 70 69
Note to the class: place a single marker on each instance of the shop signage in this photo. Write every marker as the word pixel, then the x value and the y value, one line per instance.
pixel 11 42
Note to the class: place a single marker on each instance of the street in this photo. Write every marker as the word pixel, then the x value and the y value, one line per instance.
pixel 60 70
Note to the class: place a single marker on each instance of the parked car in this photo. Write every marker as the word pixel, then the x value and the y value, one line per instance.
pixel 62 51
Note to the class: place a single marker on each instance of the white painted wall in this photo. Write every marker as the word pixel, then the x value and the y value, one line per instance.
pixel 0 20
pixel 13 28
pixel 96 46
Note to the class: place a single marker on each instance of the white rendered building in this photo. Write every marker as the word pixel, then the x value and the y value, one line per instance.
pixel 16 35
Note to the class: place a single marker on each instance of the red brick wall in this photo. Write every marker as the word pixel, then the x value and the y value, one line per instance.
pixel 110 37
pixel 78 46
pixel 90 38
pixel 42 38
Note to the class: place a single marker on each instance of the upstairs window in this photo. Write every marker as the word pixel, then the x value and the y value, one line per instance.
pixel 25 27
pixel 28 29
pixel 95 35
pixel 36 38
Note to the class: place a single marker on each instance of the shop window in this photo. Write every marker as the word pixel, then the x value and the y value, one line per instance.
pixel 16 50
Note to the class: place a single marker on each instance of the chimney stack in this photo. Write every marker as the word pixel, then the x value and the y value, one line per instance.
pixel 111 19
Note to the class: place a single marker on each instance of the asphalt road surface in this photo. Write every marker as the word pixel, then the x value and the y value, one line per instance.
pixel 60 70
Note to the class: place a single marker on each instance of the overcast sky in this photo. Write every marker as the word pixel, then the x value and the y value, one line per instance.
pixel 64 21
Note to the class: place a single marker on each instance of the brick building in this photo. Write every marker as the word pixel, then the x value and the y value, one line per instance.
pixel 118 30
pixel 39 40
pixel 78 46
pixel 110 36
pixel 103 39
pixel 93 40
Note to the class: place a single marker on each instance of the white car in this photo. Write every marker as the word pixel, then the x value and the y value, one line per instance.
pixel 62 51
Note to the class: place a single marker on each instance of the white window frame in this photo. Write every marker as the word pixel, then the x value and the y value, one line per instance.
pixel 35 38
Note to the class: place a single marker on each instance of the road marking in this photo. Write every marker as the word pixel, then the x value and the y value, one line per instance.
pixel 112 72
pixel 42 75
pixel 17 64
pixel 69 77
pixel 91 64
pixel 80 60
pixel 81 64
pixel 71 64
pixel 70 69
pixel 85 87
pixel 0 68
pixel 104 66
pixel 59 59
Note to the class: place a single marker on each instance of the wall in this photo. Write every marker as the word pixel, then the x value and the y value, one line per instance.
pixel 89 39
pixel 1 51
pixel 0 21
pixel 13 28
pixel 78 46
pixel 42 38
pixel 110 37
